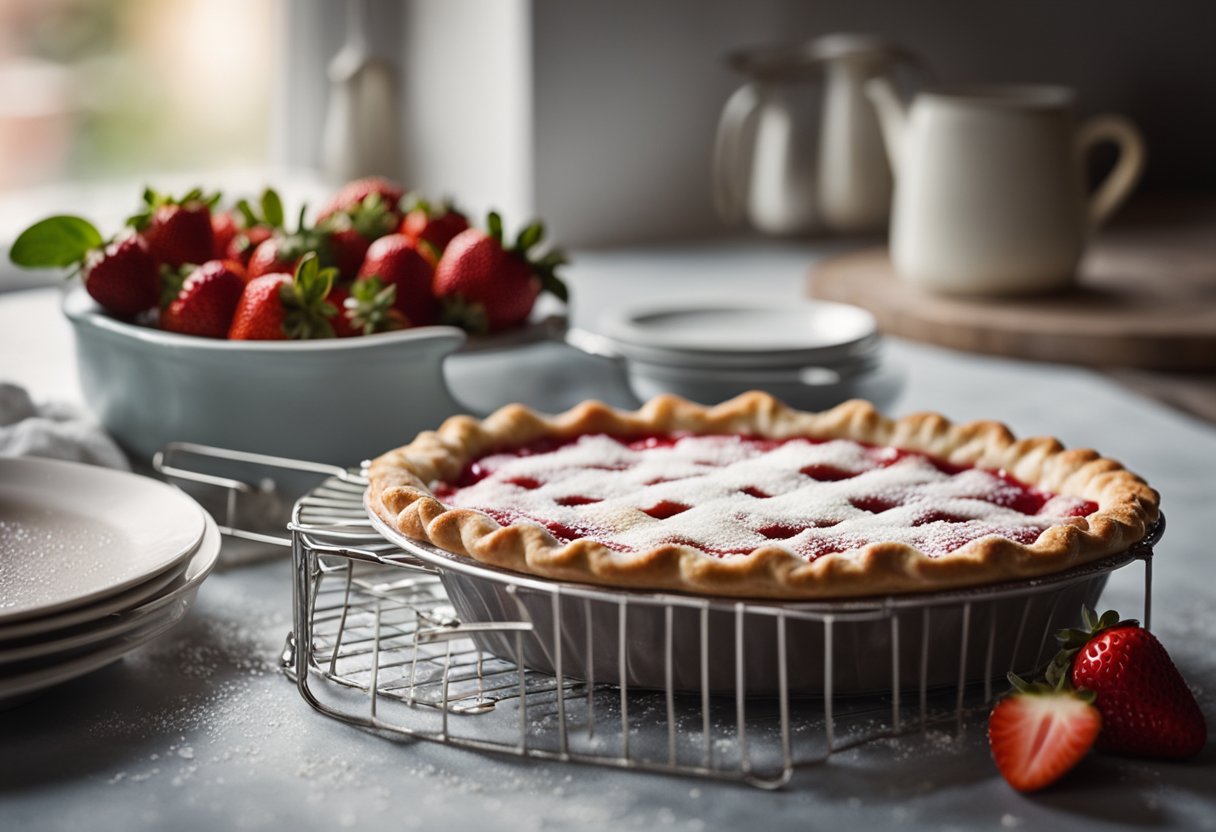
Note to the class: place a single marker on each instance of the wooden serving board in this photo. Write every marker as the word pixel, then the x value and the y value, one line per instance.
pixel 1146 300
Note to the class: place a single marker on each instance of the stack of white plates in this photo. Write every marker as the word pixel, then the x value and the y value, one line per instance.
pixel 811 354
pixel 93 563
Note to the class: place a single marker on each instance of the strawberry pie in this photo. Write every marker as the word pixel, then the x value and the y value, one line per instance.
pixel 753 499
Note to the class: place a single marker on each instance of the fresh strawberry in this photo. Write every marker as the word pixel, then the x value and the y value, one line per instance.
pixel 178 231
pixel 348 247
pixel 437 225
pixel 282 253
pixel 398 262
pixel 486 287
pixel 1038 732
pixel 352 229
pixel 354 193
pixel 224 226
pixel 278 307
pixel 207 300
pixel 365 308
pixel 1147 708
pixel 121 275
pixel 244 244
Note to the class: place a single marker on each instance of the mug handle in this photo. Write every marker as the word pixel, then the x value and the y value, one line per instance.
pixel 731 177
pixel 1120 181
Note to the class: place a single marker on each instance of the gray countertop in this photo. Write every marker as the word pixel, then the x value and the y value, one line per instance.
pixel 200 730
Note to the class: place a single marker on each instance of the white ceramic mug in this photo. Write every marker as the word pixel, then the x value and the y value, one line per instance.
pixel 990 193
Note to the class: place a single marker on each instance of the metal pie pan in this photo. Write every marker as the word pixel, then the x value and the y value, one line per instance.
pixel 659 641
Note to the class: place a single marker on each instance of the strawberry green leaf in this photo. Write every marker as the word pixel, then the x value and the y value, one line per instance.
pixel 529 236
pixel 272 208
pixel 306 270
pixel 414 201
pixel 471 317
pixel 370 307
pixel 247 216
pixel 552 260
pixel 494 226
pixel 555 286
pixel 56 241
pixel 171 282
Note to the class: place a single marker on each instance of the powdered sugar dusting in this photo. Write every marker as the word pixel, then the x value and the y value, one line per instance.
pixel 730 495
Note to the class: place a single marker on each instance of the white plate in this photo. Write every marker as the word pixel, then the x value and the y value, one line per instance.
pixel 78 616
pixel 771 335
pixel 150 621
pixel 71 534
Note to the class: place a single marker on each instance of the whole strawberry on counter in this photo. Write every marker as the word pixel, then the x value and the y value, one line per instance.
pixel 207 300
pixel 178 230
pixel 397 261
pixel 280 307
pixel 1147 708
pixel 486 287
pixel 435 225
pixel 120 274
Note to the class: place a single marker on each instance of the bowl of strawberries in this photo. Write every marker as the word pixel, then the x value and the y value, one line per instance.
pixel 221 325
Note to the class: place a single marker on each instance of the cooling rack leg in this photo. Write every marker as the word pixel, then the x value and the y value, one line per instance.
pixel 333 659
pixel 962 668
pixel 590 670
pixel 924 669
pixel 668 673
pixel 895 715
pixel 373 687
pixel 783 692
pixel 622 668
pixel 829 726
pixel 707 735
pixel 988 655
pixel 562 740
pixel 740 692
pixel 300 605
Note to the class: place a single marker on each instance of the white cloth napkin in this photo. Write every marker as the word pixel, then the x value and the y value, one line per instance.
pixel 55 431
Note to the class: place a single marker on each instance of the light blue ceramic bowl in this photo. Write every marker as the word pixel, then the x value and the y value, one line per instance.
pixel 337 400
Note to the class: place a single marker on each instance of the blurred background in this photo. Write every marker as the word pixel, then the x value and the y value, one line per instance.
pixel 598 116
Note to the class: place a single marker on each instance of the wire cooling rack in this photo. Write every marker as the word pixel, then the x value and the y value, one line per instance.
pixel 389 637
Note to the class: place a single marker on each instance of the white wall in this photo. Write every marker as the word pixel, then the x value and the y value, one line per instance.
pixel 468 103
pixel 599 115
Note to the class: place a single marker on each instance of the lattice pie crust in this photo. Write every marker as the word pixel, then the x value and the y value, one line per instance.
pixel 868 506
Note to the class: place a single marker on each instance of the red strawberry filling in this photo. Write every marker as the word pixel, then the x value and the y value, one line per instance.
pixel 729 495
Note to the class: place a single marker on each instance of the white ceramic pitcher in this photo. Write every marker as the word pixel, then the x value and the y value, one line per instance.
pixel 990 193
pixel 787 169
